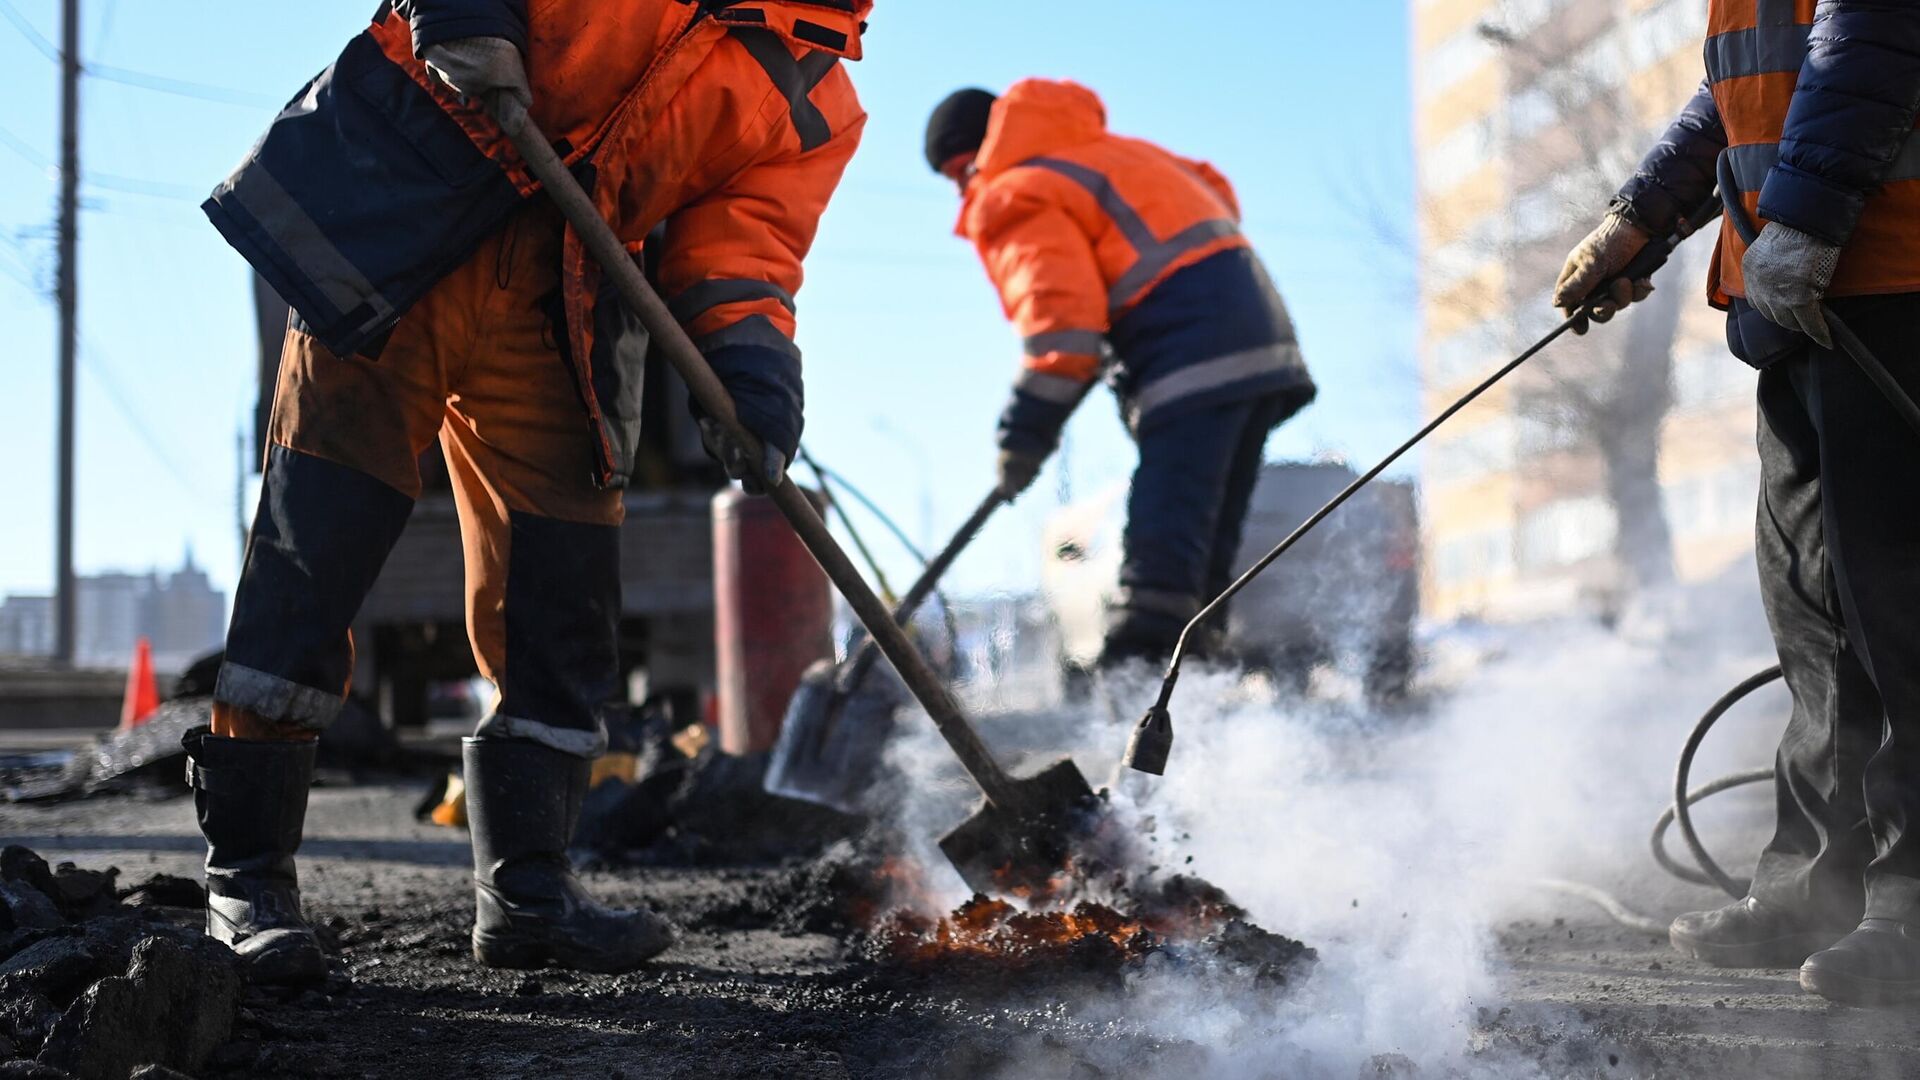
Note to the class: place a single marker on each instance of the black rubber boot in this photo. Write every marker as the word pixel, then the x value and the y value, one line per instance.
pixel 1746 934
pixel 1877 964
pixel 251 798
pixel 523 800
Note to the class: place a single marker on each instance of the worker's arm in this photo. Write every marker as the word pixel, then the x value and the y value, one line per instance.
pixel 1853 111
pixel 1672 180
pixel 1043 265
pixel 1677 175
pixel 436 22
pixel 731 267
pixel 1217 181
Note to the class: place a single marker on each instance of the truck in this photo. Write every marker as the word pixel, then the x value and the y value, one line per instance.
pixel 1348 594
pixel 412 661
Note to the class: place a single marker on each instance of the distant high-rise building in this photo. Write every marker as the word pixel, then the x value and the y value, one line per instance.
pixel 26 626
pixel 109 615
pixel 181 614
pixel 185 617
pixel 1528 114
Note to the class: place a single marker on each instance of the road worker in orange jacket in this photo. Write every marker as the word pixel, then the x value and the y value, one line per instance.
pixel 438 296
pixel 1815 109
pixel 1114 257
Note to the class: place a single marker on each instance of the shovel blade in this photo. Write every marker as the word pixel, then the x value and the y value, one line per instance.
pixel 1003 849
pixel 831 744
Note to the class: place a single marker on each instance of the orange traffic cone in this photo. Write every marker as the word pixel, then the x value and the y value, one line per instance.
pixel 143 693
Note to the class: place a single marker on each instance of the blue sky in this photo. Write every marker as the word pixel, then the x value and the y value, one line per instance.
pixel 1304 106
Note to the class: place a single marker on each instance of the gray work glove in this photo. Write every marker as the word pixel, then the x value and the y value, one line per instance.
pixel 1788 273
pixel 480 67
pixel 756 478
pixel 1017 471
pixel 1604 253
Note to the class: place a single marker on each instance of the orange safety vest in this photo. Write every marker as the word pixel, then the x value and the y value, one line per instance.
pixel 1754 53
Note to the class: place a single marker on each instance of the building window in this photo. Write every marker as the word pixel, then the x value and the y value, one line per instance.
pixel 1459 155
pixel 1471 557
pixel 1472 453
pixel 1470 352
pixel 1707 377
pixel 1715 503
pixel 1459 55
pixel 1565 532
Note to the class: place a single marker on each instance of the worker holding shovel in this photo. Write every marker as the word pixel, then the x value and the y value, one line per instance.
pixel 1113 256
pixel 1809 111
pixel 440 294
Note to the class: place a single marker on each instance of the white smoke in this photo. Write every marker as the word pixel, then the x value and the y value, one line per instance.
pixel 1397 846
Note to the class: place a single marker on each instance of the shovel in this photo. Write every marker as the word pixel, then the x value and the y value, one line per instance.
pixel 837 723
pixel 1024 832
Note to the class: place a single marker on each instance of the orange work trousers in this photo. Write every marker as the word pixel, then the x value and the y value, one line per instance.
pixel 475 364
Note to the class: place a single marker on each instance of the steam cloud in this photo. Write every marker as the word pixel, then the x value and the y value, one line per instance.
pixel 1399 845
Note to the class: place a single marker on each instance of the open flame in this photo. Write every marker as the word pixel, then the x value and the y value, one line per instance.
pixel 1077 917
pixel 983 928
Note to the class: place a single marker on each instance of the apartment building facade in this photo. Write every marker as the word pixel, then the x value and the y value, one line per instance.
pixel 1528 114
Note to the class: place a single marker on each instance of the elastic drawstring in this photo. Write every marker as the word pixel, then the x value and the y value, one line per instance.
pixel 503 260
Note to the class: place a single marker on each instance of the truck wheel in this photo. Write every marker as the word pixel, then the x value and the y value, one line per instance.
pixel 1389 677
pixel 1076 683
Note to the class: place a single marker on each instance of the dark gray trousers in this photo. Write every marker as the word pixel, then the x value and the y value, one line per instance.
pixel 1839 552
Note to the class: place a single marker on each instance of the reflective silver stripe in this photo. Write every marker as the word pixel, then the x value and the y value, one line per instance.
pixel 584 744
pixel 274 698
pixel 1155 255
pixel 1761 50
pixel 752 330
pixel 1178 605
pixel 342 283
pixel 1055 388
pixel 1124 216
pixel 1155 261
pixel 707 295
pixel 1777 12
pixel 1078 342
pixel 1209 375
pixel 1752 162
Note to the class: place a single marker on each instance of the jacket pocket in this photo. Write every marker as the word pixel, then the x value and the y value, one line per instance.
pixel 412 111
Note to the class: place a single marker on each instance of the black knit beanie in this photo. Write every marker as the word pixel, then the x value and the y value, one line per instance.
pixel 958 126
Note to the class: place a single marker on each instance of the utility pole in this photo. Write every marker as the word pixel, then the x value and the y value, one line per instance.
pixel 68 299
pixel 240 488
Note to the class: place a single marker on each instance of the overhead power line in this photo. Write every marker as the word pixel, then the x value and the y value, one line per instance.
pixel 21 147
pixel 125 185
pixel 34 37
pixel 199 91
pixel 181 87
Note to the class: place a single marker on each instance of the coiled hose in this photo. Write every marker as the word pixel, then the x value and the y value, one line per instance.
pixel 1709 871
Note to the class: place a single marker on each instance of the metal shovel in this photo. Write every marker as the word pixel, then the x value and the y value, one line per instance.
pixel 1024 832
pixel 838 721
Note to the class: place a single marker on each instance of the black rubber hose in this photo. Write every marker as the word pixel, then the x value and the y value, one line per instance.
pixel 886 521
pixel 1683 799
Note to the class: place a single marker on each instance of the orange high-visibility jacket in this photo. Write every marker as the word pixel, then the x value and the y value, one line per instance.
pixel 1818 104
pixel 1083 233
pixel 731 125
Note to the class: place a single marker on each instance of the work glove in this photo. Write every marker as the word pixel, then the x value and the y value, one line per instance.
pixel 1017 470
pixel 769 399
pixel 1028 431
pixel 1788 273
pixel 480 67
pixel 1603 254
